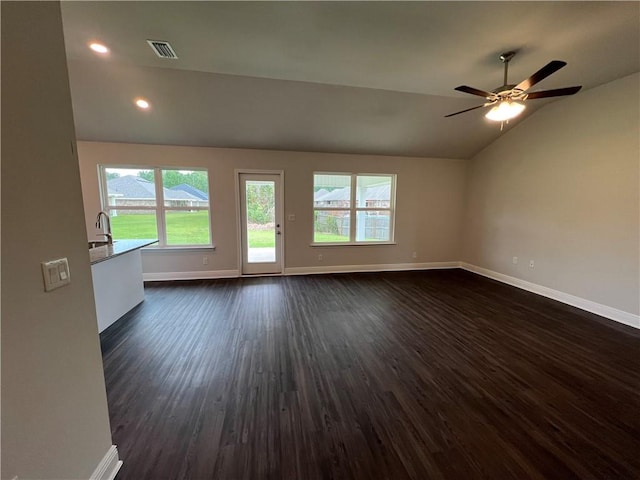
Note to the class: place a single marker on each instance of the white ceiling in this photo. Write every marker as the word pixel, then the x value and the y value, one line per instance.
pixel 355 77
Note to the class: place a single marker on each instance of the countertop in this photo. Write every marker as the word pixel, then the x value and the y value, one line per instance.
pixel 119 247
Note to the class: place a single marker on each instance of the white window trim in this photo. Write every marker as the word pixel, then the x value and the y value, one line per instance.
pixel 160 209
pixel 353 210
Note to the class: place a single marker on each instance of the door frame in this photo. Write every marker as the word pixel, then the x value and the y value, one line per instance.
pixel 280 198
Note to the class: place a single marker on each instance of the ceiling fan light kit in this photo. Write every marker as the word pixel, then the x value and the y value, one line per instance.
pixel 507 101
pixel 505 110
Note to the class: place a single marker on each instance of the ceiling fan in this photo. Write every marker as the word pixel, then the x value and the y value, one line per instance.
pixel 507 100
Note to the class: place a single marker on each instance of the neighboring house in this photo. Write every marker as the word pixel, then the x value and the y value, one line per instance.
pixel 375 196
pixel 378 196
pixel 319 194
pixel 192 191
pixel 372 225
pixel 339 197
pixel 131 191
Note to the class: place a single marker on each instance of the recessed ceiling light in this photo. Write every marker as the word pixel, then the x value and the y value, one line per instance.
pixel 142 103
pixel 98 48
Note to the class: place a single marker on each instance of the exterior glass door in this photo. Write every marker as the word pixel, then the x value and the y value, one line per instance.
pixel 261 219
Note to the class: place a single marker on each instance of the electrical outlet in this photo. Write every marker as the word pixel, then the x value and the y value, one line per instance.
pixel 205 260
pixel 414 255
pixel 515 260
pixel 320 257
pixel 532 264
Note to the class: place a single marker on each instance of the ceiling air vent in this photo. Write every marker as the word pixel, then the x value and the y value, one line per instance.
pixel 162 49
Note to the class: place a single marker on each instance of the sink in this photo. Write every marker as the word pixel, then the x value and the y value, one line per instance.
pixel 98 243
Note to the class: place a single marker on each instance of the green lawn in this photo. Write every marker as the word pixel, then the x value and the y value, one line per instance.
pixel 264 239
pixel 192 228
pixel 183 228
pixel 261 239
pixel 134 226
pixel 329 238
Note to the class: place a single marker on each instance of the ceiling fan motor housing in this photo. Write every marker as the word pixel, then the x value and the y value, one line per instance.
pixel 508 92
pixel 505 57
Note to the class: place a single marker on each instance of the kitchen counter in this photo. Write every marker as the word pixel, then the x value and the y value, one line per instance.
pixel 119 247
pixel 117 283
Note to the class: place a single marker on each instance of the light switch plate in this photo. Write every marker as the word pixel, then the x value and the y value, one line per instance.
pixel 55 274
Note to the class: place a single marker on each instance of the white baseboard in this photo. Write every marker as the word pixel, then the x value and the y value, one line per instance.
pixel 593 307
pixel 390 267
pixel 108 466
pixel 198 275
pixel 204 275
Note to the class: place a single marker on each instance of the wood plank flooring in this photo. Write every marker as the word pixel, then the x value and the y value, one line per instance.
pixel 402 375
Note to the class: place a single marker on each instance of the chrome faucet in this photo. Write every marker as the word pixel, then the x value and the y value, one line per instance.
pixel 108 225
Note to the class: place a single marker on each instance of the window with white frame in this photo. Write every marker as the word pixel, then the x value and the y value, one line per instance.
pixel 353 208
pixel 170 204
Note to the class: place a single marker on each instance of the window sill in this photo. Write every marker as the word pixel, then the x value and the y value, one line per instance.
pixel 351 244
pixel 181 248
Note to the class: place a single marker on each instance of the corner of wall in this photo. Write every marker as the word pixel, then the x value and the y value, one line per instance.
pixel 561 189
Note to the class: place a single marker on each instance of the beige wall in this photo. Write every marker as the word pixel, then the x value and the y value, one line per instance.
pixel 54 411
pixel 562 189
pixel 429 203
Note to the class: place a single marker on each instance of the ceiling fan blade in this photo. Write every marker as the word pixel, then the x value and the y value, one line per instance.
pixel 541 74
pixel 463 111
pixel 559 92
pixel 473 91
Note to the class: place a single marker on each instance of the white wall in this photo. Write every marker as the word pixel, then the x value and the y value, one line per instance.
pixel 562 189
pixel 430 203
pixel 55 422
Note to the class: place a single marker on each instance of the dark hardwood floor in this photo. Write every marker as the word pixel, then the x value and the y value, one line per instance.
pixel 421 375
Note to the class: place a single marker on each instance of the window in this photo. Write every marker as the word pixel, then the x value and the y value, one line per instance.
pixel 353 208
pixel 169 204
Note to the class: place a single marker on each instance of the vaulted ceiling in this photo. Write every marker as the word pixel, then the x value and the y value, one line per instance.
pixel 352 77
